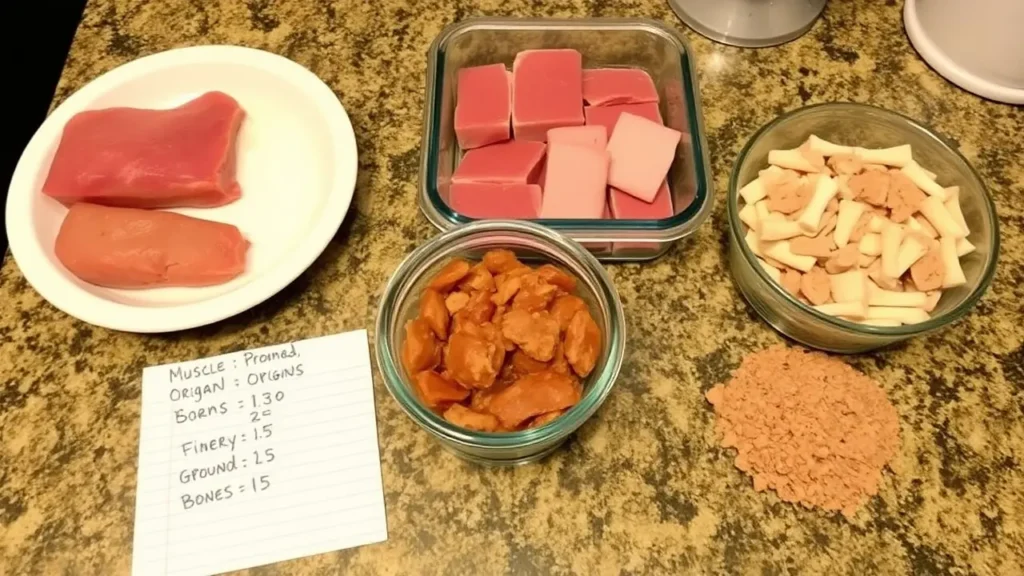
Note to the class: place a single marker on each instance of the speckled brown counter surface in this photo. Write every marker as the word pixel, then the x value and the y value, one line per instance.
pixel 641 489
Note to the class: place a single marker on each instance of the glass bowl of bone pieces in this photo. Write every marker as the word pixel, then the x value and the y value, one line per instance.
pixel 853 227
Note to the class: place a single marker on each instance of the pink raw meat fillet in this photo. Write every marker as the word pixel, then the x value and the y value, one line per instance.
pixel 605 86
pixel 547 92
pixel 514 162
pixel 483 106
pixel 627 207
pixel 641 153
pixel 593 136
pixel 607 116
pixel 138 158
pixel 575 185
pixel 483 200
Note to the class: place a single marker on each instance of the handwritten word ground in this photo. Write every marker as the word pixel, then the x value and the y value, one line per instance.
pixel 256 457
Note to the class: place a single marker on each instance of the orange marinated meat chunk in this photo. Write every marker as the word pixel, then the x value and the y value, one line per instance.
pixel 582 343
pixel 498 346
pixel 461 416
pixel 501 260
pixel 450 275
pixel 534 293
pixel 420 350
pixel 479 279
pixel 437 391
pixel 536 333
pixel 557 277
pixel 532 395
pixel 474 356
pixel 565 307
pixel 434 311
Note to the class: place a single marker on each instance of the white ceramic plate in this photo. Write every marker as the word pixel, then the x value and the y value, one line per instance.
pixel 297 165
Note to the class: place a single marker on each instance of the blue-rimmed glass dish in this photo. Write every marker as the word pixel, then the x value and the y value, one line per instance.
pixel 604 43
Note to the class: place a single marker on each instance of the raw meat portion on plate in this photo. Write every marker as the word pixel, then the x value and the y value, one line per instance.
pixel 143 158
pixel 484 106
pixel 547 92
pixel 133 248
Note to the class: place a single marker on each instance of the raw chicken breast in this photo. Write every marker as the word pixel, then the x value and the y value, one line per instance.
pixel 141 158
pixel 132 248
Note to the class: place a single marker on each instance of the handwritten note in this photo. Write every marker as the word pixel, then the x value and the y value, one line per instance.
pixel 256 457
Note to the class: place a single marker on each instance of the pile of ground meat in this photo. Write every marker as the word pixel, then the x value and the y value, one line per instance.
pixel 808 426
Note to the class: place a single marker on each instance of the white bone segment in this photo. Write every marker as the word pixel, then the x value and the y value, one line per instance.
pixel 773 273
pixel 916 226
pixel 892 238
pixel 753 243
pixel 964 247
pixel 912 250
pixel 898 156
pixel 880 297
pixel 825 190
pixel 935 211
pixel 933 300
pixel 876 224
pixel 880 322
pixel 849 286
pixel 843 182
pixel 952 204
pixel 853 310
pixel 773 229
pixel 792 159
pixel 918 176
pixel 762 210
pixel 849 213
pixel 870 244
pixel 904 315
pixel 748 215
pixel 781 252
pixel 826 148
pixel 754 191
pixel 954 275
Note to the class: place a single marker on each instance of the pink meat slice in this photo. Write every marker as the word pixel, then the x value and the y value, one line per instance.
pixel 514 162
pixel 608 116
pixel 140 158
pixel 627 207
pixel 575 185
pixel 606 86
pixel 641 154
pixel 547 92
pixel 133 248
pixel 483 200
pixel 483 106
pixel 594 136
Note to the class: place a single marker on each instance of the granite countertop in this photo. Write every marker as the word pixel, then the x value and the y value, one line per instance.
pixel 641 489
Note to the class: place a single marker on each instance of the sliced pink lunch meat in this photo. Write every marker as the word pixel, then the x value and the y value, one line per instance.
pixel 575 184
pixel 605 86
pixel 607 116
pixel 483 106
pixel 514 162
pixel 140 158
pixel 483 200
pixel 547 92
pixel 133 248
pixel 628 207
pixel 595 136
pixel 641 154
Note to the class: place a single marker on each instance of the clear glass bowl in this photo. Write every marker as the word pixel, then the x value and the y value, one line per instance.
pixel 868 127
pixel 533 244
pixel 603 42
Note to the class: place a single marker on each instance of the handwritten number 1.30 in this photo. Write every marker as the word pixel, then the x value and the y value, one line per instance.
pixel 266 399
